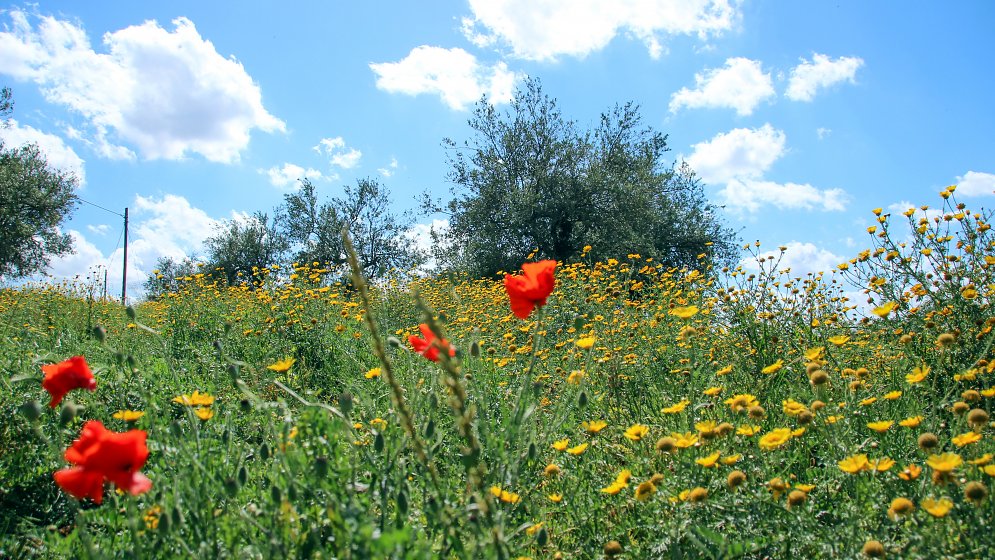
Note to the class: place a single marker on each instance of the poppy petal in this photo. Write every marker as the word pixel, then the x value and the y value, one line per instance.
pixel 81 483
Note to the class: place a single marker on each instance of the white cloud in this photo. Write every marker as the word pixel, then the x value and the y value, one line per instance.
pixel 741 85
pixel 800 258
pixel 99 229
pixel 453 74
pixel 57 153
pixel 750 195
pixel 739 153
pixel 823 132
pixel 974 183
pixel 160 227
pixel 289 174
pixel 338 154
pixel 542 30
pixel 821 72
pixel 739 159
pixel 421 235
pixel 81 263
pixel 167 93
pixel 389 169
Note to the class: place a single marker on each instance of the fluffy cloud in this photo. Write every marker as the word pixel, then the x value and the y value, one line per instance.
pixel 160 227
pixel 739 153
pixel 801 258
pixel 167 93
pixel 283 177
pixel 339 155
pixel 453 74
pixel 750 195
pixel 57 153
pixel 740 158
pixel 974 183
pixel 544 30
pixel 85 260
pixel 99 229
pixel 421 236
pixel 390 169
pixel 821 72
pixel 741 85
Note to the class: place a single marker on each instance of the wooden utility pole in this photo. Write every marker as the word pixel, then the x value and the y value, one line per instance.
pixel 124 273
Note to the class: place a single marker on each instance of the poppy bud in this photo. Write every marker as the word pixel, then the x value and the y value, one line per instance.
pixel 393 342
pixel 233 372
pixel 100 333
pixel 582 399
pixel 243 475
pixel 430 428
pixel 378 443
pixel 218 346
pixel 533 451
pixel 542 537
pixel 345 403
pixel 274 492
pixel 69 411
pixel 475 349
pixel 131 361
pixel 310 544
pixel 402 503
pixel 264 451
pixel 579 321
pixel 177 516
pixel 245 405
pixel 130 311
pixel 31 410
pixel 321 466
pixel 231 486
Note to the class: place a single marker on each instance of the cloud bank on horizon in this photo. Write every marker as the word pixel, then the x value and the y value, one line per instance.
pixel 149 94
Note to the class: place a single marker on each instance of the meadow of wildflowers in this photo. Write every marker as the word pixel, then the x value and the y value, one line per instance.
pixel 568 410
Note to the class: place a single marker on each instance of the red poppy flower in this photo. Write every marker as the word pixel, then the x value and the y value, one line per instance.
pixel 65 376
pixel 530 290
pixel 427 346
pixel 100 454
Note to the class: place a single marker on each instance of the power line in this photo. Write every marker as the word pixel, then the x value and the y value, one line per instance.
pixel 99 206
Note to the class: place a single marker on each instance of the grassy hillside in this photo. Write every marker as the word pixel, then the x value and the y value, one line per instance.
pixel 641 413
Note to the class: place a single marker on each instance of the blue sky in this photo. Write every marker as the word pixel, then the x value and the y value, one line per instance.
pixel 800 117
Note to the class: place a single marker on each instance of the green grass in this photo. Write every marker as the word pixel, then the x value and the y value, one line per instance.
pixel 453 459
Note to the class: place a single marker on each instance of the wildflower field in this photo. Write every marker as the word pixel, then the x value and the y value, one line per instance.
pixel 570 410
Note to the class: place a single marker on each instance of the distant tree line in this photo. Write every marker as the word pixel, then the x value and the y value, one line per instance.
pixel 527 181
pixel 306 230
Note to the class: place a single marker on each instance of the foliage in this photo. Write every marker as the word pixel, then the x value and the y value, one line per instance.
pixel 168 276
pixel 6 104
pixel 651 411
pixel 309 231
pixel 530 179
pixel 315 229
pixel 241 246
pixel 35 199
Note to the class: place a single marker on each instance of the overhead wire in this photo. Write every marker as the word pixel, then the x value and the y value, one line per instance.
pixel 99 206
